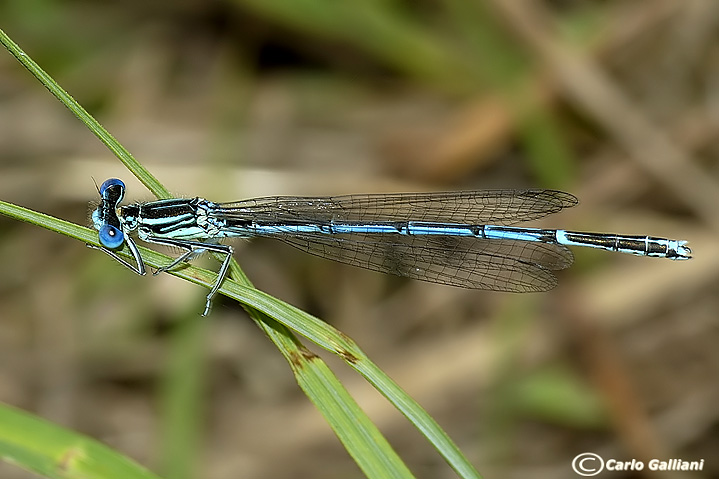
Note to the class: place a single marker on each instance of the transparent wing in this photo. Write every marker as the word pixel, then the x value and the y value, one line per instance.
pixel 468 262
pixel 499 207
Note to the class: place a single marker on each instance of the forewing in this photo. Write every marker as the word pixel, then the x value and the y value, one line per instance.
pixel 499 207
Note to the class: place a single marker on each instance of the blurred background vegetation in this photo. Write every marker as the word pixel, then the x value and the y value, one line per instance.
pixel 616 102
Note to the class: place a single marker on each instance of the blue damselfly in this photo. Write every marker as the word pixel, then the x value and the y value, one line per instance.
pixel 464 239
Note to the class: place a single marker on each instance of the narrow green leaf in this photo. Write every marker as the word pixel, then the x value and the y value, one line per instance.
pixel 309 326
pixel 359 435
pixel 45 448
pixel 92 124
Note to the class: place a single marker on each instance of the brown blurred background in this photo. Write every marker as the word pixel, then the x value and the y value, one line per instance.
pixel 616 102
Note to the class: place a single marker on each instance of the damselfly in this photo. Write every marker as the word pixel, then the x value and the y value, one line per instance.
pixel 461 239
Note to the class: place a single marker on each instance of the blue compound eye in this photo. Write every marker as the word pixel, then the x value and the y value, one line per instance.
pixel 111 237
pixel 109 183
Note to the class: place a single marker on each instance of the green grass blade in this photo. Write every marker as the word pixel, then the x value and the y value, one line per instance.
pixel 52 451
pixel 127 159
pixel 359 435
pixel 300 322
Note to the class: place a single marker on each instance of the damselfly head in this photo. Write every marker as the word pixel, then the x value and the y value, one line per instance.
pixel 104 217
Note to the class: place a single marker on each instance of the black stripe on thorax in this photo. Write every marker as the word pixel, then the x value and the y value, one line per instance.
pixel 165 216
